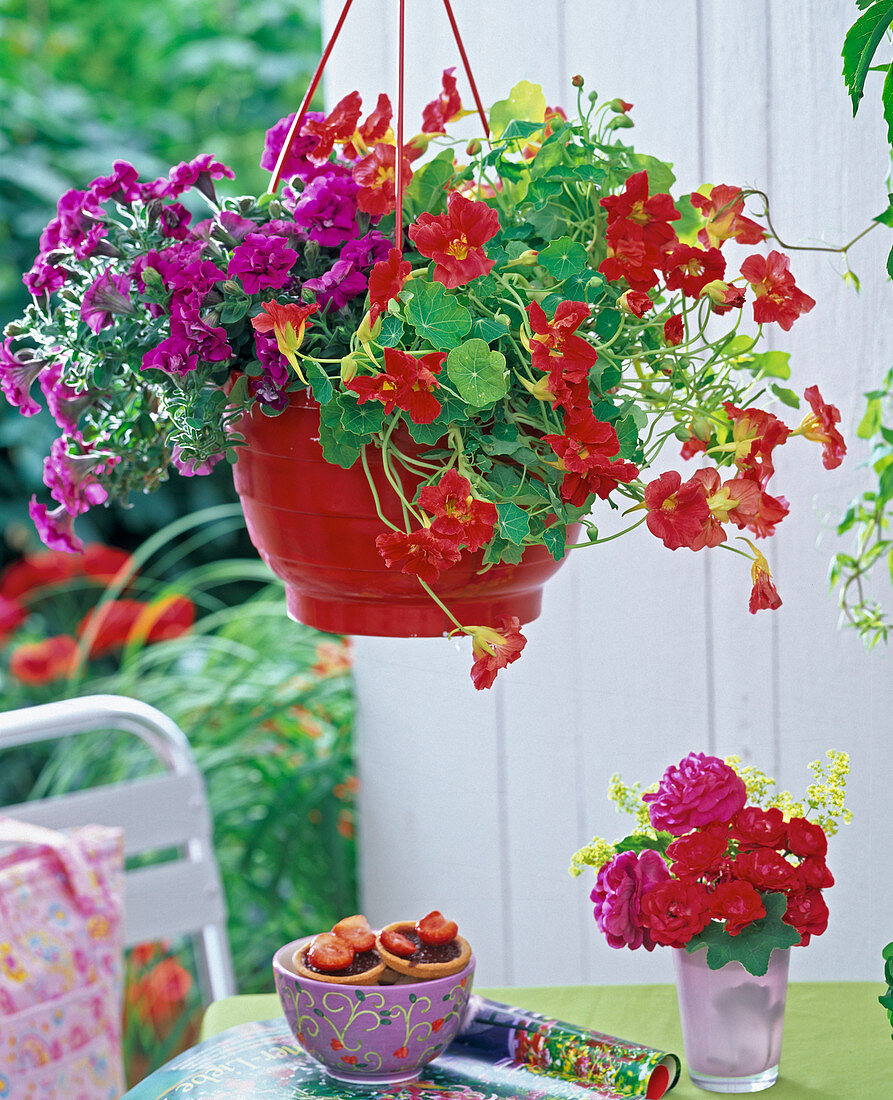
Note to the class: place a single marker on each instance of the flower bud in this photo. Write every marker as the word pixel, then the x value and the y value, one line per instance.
pixel 368 329
pixel 577 81
pixel 152 278
pixel 473 147
pixel 620 122
pixel 348 368
pixel 311 252
pixel 528 258
pixel 702 429
pixel 620 106
pixel 593 96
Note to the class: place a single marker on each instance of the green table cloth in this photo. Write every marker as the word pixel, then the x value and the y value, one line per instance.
pixel 837 1043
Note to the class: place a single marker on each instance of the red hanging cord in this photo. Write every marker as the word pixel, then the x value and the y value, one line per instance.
pixel 299 117
pixel 398 182
pixel 464 56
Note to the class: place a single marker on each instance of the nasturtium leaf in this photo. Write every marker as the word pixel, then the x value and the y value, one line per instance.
pixel 690 223
pixel 541 190
pixel 739 345
pixel 427 188
pixel 563 258
pixel 520 129
pixel 586 286
pixel 607 322
pixel 660 174
pixel 871 421
pixel 885 485
pixel 488 329
pixel 605 375
pixel 786 396
pixel 362 420
pixel 886 217
pixel 319 383
pixel 753 945
pixel 477 372
pixel 525 103
pixel 769 364
pixel 548 158
pixel 338 446
pixel 514 523
pixel 627 435
pixel 548 220
pixel 555 540
pixel 436 316
pixel 391 332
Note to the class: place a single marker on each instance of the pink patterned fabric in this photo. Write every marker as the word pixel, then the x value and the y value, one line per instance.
pixel 61 962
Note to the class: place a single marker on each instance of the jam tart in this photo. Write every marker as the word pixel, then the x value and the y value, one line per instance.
pixel 424 949
pixel 344 956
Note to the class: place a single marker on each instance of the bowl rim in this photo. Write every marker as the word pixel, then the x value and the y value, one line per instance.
pixel 288 949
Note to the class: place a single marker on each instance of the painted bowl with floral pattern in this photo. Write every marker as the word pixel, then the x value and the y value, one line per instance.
pixel 372 1034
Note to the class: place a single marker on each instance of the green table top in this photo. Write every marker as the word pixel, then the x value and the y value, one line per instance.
pixel 837 1043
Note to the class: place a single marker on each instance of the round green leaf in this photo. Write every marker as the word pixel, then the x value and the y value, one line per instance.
pixel 436 316
pixel 477 372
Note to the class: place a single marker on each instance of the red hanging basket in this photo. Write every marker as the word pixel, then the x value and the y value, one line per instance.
pixel 315 525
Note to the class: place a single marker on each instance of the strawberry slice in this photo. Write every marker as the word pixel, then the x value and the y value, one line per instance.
pixel 434 928
pixel 355 931
pixel 328 952
pixel 397 943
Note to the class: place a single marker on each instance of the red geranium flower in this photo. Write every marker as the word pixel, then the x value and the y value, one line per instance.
pixel 675 911
pixel 494 649
pixel 421 553
pixel 558 340
pixel 446 108
pixel 339 125
pixel 808 913
pixel 738 904
pixel 777 296
pixel 813 874
pixel 676 512
pixel 455 240
pixel 690 269
pixel 43 662
pixel 819 426
pixel 377 177
pixel 457 514
pixel 386 280
pixel 723 208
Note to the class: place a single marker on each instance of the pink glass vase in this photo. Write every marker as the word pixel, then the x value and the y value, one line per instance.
pixel 731 1021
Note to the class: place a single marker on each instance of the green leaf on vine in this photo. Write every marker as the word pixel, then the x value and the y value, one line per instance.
pixel 437 316
pixel 753 945
pixel 514 523
pixel 786 396
pixel 477 372
pixel 660 174
pixel 555 540
pixel 860 45
pixel 563 258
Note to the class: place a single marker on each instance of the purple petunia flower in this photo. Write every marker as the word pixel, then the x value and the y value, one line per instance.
pixel 367 250
pixel 296 163
pixel 199 173
pixel 699 790
pixel 71 478
pixel 261 261
pixel 80 223
pixel 66 405
pixel 338 285
pixel 617 895
pixel 106 297
pixel 56 528
pixel 191 467
pixel 121 185
pixel 174 355
pixel 327 207
pixel 43 278
pixel 174 221
pixel 17 374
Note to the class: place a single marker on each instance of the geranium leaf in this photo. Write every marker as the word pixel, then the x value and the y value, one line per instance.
pixel 860 44
pixel 525 103
pixel 514 523
pixel 477 372
pixel 753 945
pixel 563 258
pixel 436 316
pixel 637 842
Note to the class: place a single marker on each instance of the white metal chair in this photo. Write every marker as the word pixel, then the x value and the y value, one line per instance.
pixel 176 897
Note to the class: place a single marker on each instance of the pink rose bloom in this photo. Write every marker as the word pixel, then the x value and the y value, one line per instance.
pixel 699 790
pixel 618 896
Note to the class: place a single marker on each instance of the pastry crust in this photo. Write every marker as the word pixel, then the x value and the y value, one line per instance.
pixel 423 970
pixel 365 977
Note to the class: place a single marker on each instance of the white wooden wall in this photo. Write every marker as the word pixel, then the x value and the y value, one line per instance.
pixel 473 802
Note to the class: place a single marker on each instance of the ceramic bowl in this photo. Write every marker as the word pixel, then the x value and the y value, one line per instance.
pixel 377 1034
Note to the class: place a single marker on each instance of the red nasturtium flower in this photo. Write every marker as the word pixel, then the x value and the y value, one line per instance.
pixel 446 108
pixel 339 125
pixel 374 129
pixel 778 298
pixel 494 648
pixel 723 296
pixel 558 339
pixel 120 622
pixel 288 322
pixel 633 204
pixel 43 662
pixel 421 553
pixel 674 330
pixel 377 177
pixel 676 511
pixel 455 240
pixel 690 269
pixel 755 435
pixel 407 382
pixel 12 615
pixel 820 426
pixel 635 302
pixel 723 209
pixel 764 595
pixel 586 453
pixel 386 280
pixel 736 500
pixel 456 513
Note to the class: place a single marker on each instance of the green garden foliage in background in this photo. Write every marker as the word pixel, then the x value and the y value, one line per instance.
pixel 86 82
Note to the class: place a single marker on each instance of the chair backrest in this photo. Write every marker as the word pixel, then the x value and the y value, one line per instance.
pixel 159 814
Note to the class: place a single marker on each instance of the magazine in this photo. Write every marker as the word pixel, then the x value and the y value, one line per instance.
pixel 501 1053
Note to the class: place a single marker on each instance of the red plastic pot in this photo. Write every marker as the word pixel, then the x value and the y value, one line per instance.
pixel 315 525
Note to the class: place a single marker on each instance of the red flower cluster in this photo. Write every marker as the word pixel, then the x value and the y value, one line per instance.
pixel 407 383
pixel 455 240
